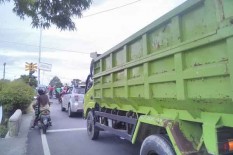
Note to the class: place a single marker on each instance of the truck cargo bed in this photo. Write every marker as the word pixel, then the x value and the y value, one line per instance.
pixel 183 60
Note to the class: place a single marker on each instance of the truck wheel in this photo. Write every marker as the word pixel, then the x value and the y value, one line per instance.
pixel 92 131
pixel 156 145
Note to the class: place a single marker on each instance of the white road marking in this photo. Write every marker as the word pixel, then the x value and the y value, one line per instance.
pixel 64 130
pixel 45 143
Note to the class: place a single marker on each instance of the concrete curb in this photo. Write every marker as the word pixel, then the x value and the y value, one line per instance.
pixel 14 124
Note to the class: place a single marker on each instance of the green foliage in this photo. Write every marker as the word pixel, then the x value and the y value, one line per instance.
pixel 16 95
pixel 3 131
pixel 25 78
pixel 55 82
pixel 46 12
pixel 2 84
pixel 3 128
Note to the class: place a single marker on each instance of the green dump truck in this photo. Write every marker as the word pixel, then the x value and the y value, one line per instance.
pixel 170 85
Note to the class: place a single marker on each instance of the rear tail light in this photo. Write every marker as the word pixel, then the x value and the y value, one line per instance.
pixel 230 145
pixel 226 147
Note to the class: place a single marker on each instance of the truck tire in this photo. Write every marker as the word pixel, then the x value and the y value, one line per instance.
pixel 156 145
pixel 92 131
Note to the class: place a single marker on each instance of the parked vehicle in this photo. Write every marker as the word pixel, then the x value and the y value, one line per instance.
pixel 170 85
pixel 73 100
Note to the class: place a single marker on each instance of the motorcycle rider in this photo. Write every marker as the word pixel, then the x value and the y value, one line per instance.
pixel 42 103
pixel 58 94
pixel 51 89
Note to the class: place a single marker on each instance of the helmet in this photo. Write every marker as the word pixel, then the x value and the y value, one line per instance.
pixel 41 91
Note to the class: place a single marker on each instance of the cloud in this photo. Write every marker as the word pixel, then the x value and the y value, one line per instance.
pixel 19 43
pixel 18 54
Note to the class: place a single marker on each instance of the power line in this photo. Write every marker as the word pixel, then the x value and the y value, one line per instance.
pixel 83 17
pixel 43 47
pixel 118 7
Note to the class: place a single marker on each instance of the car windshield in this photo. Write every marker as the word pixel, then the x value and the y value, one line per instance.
pixel 79 90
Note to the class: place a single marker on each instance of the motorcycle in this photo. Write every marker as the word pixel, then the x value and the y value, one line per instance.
pixel 58 96
pixel 44 120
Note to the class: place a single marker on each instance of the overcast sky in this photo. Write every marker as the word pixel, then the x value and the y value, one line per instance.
pixel 68 51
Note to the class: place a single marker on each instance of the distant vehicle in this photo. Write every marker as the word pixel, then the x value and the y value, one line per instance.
pixel 73 100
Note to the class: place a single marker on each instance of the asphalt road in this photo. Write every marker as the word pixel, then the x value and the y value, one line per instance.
pixel 68 136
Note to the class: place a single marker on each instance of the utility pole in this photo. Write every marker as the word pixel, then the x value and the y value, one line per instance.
pixel 39 55
pixel 4 65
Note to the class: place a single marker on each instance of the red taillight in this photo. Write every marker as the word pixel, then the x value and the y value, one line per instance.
pixel 230 144
pixel 226 146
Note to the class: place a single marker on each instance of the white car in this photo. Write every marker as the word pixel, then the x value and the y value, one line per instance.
pixel 73 100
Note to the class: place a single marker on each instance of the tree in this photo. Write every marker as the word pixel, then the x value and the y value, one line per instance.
pixel 55 82
pixel 75 81
pixel 33 81
pixel 46 12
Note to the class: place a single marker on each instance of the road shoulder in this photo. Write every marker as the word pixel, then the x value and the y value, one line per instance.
pixel 17 145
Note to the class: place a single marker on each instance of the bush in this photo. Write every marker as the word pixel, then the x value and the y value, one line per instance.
pixel 3 84
pixel 3 131
pixel 15 95
pixel 3 128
